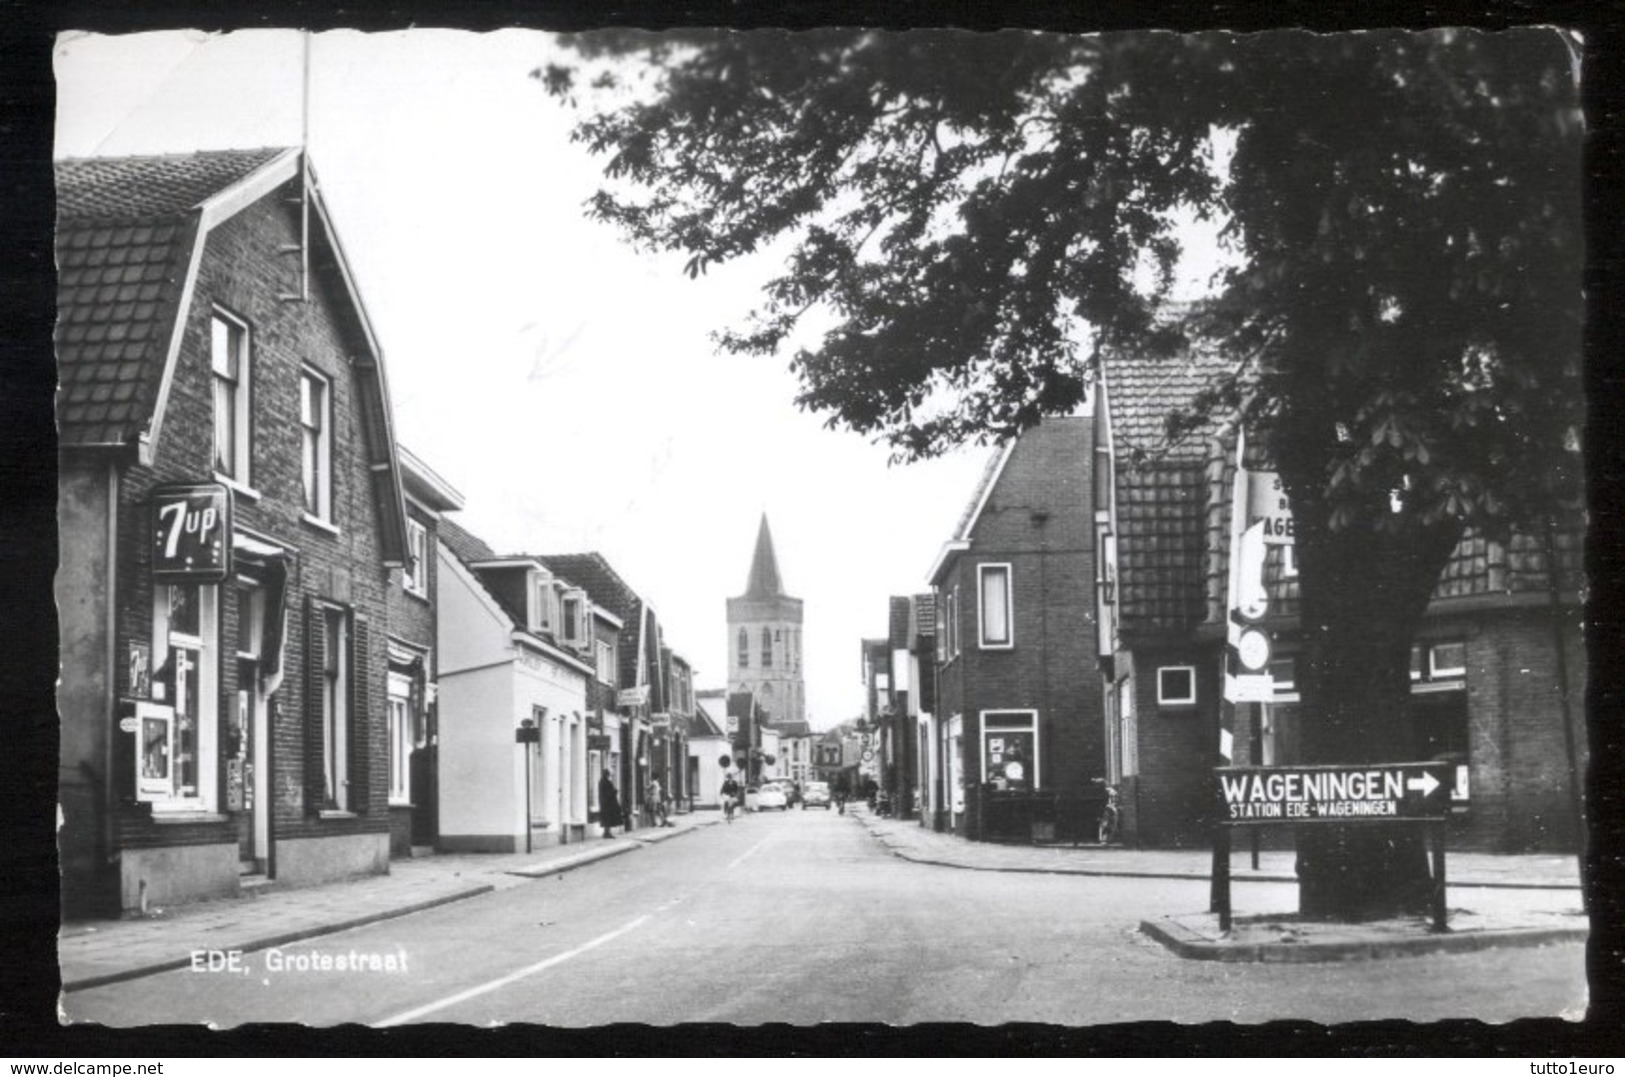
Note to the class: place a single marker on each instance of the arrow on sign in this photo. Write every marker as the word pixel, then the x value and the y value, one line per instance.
pixel 1427 783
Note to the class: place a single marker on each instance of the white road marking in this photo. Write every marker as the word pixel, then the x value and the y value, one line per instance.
pixel 741 857
pixel 512 977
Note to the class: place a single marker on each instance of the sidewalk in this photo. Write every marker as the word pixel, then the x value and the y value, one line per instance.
pixel 1516 900
pixel 93 953
pixel 911 841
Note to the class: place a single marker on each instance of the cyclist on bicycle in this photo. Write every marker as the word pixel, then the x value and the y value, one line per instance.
pixel 730 797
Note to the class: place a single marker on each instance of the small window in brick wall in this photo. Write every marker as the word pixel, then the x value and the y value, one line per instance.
pixel 1176 686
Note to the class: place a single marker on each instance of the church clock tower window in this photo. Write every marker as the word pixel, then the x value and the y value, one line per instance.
pixel 767 649
pixel 744 649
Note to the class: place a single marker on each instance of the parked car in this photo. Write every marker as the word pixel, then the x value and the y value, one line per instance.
pixel 772 795
pixel 815 795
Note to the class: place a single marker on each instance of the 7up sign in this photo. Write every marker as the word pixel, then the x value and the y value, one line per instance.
pixel 191 533
pixel 1372 792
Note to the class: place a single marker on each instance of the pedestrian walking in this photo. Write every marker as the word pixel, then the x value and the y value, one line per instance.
pixel 609 806
pixel 655 803
pixel 730 797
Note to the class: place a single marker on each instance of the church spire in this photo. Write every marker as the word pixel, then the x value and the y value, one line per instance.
pixel 764 579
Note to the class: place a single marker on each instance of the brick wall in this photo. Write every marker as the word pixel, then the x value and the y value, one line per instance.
pixel 1037 520
pixel 1178 747
pixel 242 272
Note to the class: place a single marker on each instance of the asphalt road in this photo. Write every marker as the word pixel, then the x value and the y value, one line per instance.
pixel 802 917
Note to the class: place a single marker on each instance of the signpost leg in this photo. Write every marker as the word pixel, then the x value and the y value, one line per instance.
pixel 1220 897
pixel 1441 913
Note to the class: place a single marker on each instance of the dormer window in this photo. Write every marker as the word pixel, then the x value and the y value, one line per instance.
pixel 544 599
pixel 574 615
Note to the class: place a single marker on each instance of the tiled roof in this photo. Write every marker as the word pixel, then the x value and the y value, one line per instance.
pixel 1161 496
pixel 469 548
pixel 897 630
pixel 592 573
pixel 704 724
pixel 1173 513
pixel 790 729
pixel 126 227
pixel 990 471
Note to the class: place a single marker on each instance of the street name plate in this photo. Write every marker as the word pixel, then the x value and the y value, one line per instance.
pixel 1367 792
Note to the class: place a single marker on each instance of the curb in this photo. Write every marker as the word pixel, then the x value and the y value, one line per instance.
pixel 563 864
pixel 540 871
pixel 1102 873
pixel 281 939
pixel 1306 952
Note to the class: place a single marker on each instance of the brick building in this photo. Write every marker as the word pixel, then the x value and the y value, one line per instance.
pixel 1021 738
pixel 230 513
pixel 1498 664
pixel 632 722
pixel 413 682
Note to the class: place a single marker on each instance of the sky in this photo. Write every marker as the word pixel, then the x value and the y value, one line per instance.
pixel 563 383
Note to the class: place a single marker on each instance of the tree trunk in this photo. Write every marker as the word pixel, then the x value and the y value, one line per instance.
pixel 1363 594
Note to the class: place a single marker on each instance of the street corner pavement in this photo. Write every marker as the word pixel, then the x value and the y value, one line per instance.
pixel 1287 938
pixel 92 954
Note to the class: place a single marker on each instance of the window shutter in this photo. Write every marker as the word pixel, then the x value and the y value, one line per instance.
pixel 362 721
pixel 315 655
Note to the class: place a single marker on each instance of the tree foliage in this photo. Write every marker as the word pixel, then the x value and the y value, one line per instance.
pixel 977 218
pixel 1403 207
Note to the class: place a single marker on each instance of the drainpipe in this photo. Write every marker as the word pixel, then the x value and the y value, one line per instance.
pixel 106 853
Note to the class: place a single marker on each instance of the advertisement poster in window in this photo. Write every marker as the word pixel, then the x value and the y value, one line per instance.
pixel 1009 760
pixel 154 752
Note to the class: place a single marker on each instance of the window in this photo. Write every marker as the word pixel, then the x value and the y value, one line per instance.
pixel 544 609
pixel 175 764
pixel 1284 673
pixel 574 616
pixel 416 576
pixel 1439 730
pixel 228 361
pixel 1010 750
pixel 1176 685
pixel 767 649
pixel 744 649
pixel 993 591
pixel 335 704
pixel 316 445
pixel 1106 569
pixel 606 662
pixel 947 624
pixel 1447 660
pixel 400 739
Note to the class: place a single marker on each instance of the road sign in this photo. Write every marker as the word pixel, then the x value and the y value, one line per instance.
pixel 632 697
pixel 868 755
pixel 1267 503
pixel 1367 792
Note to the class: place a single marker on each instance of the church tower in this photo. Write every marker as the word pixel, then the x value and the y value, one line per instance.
pixel 764 638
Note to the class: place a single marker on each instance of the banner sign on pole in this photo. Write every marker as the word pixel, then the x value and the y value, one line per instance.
pixel 633 697
pixel 1247 643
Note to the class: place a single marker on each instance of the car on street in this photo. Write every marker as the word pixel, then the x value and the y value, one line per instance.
pixel 772 795
pixel 815 795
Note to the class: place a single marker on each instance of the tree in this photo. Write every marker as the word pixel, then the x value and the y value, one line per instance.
pixel 1403 303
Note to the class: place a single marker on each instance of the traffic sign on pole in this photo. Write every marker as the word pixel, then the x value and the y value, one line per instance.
pixel 1360 792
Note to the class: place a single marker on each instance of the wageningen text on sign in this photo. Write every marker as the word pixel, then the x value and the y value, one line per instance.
pixel 1261 796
